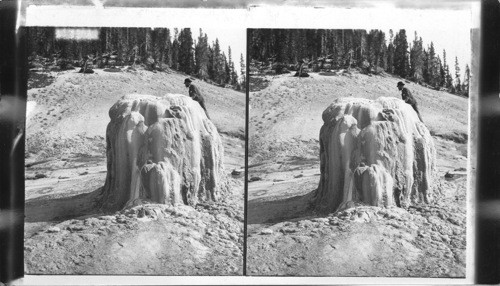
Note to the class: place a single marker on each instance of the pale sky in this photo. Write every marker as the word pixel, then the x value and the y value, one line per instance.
pixel 456 42
pixel 449 30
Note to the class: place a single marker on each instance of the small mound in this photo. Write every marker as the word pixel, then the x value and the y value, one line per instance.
pixel 328 73
pixel 114 69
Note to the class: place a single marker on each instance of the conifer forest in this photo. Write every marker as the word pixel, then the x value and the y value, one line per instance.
pixel 370 51
pixel 156 49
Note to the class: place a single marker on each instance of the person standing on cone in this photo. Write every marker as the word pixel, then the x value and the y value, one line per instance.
pixel 408 98
pixel 195 94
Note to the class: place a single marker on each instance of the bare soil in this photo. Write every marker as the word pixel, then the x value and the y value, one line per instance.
pixel 285 237
pixel 66 232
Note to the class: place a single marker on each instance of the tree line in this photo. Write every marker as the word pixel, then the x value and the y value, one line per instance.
pixel 369 50
pixel 161 48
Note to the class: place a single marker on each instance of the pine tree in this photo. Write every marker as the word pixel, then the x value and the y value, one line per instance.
pixel 324 41
pixel 442 74
pixel 256 44
pixel 433 67
pixel 380 50
pixel 134 44
pixel 338 49
pixel 201 56
pixel 466 83
pixel 401 67
pixel 149 48
pixel 107 41
pixel 458 85
pixel 102 39
pixel 448 80
pixel 360 47
pixel 450 85
pixel 121 48
pixel 371 48
pixel 439 67
pixel 186 56
pixel 167 51
pixel 279 41
pixel 243 72
pixel 300 44
pixel 229 58
pixel 416 60
pixel 211 63
pixel 218 66
pixel 142 42
pixel 445 65
pixel 127 49
pixel 288 50
pixel 226 76
pixel 426 67
pixel 175 50
pixel 390 53
pixel 233 77
pixel 48 38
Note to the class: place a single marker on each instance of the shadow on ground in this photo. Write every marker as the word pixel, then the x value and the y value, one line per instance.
pixel 276 211
pixel 47 208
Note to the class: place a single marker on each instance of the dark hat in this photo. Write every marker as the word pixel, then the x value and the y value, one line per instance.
pixel 400 83
pixel 187 80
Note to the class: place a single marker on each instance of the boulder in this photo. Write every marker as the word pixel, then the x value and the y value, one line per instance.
pixel 161 150
pixel 374 152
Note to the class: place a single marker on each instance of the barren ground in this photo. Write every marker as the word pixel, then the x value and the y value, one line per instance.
pixel 285 237
pixel 67 233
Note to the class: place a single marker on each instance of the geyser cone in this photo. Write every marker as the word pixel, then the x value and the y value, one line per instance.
pixel 375 152
pixel 161 150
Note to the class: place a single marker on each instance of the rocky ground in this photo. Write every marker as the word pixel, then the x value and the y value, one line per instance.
pixel 65 230
pixel 285 237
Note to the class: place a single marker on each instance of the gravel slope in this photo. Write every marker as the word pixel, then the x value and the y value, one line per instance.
pixel 289 109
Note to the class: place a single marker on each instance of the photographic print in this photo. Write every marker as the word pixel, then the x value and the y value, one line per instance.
pixel 358 152
pixel 134 151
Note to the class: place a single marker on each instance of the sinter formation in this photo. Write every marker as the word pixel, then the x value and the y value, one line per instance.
pixel 161 150
pixel 374 152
